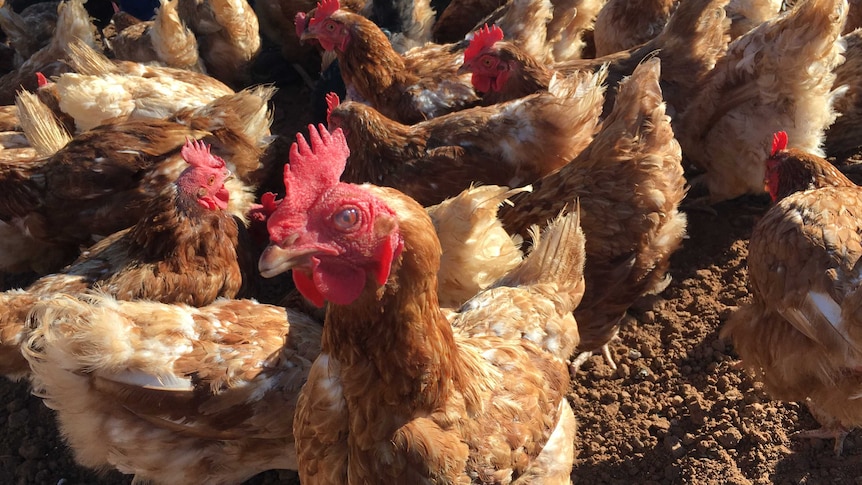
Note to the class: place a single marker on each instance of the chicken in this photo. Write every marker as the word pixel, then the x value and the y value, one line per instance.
pixel 395 388
pixel 477 250
pixel 623 24
pixel 165 39
pixel 779 75
pixel 803 267
pixel 102 90
pixel 100 182
pixel 30 30
pixel 439 158
pixel 228 37
pixel 185 249
pixel 688 47
pixel 844 136
pixel 407 89
pixel 172 393
pixel 629 182
pixel 73 24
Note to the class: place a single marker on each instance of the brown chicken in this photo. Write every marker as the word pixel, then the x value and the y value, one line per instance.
pixel 228 36
pixel 629 182
pixel 395 388
pixel 624 24
pixel 185 249
pixel 408 89
pixel 73 25
pixel 777 76
pixel 509 144
pixel 172 393
pixel 100 182
pixel 165 39
pixel 688 47
pixel 798 333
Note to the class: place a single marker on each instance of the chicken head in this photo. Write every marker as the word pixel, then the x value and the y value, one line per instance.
pixel 204 180
pixel 324 26
pixel 488 70
pixel 337 237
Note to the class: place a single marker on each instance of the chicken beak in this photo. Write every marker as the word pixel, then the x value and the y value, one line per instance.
pixel 276 260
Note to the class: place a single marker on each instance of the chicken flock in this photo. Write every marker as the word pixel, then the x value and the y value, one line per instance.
pixel 481 199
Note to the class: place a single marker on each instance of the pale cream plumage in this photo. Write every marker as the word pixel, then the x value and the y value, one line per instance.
pixel 778 76
pixel 171 393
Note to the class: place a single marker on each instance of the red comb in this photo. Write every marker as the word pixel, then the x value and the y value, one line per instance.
pixel 41 79
pixel 315 168
pixel 197 153
pixel 484 37
pixel 116 7
pixel 332 102
pixel 325 8
pixel 779 142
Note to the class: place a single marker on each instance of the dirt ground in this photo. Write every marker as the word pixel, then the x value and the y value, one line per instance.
pixel 677 410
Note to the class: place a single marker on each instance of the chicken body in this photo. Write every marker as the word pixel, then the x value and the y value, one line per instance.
pixel 629 183
pixel 394 389
pixel 165 39
pixel 777 76
pixel 804 268
pixel 623 24
pixel 228 35
pixel 172 393
pixel 510 144
pixel 101 90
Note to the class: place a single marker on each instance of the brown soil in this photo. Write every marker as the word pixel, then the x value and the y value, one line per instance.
pixel 677 410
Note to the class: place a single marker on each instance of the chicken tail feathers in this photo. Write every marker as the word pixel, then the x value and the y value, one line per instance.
pixel 557 257
pixel 42 129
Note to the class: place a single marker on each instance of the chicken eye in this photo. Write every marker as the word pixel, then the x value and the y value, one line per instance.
pixel 346 219
pixel 330 26
pixel 487 62
pixel 211 180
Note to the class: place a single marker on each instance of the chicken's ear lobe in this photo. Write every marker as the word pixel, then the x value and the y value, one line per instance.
pixel 779 142
pixel 389 251
pixel 483 38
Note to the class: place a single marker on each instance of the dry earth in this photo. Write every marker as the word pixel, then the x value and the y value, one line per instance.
pixel 677 410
